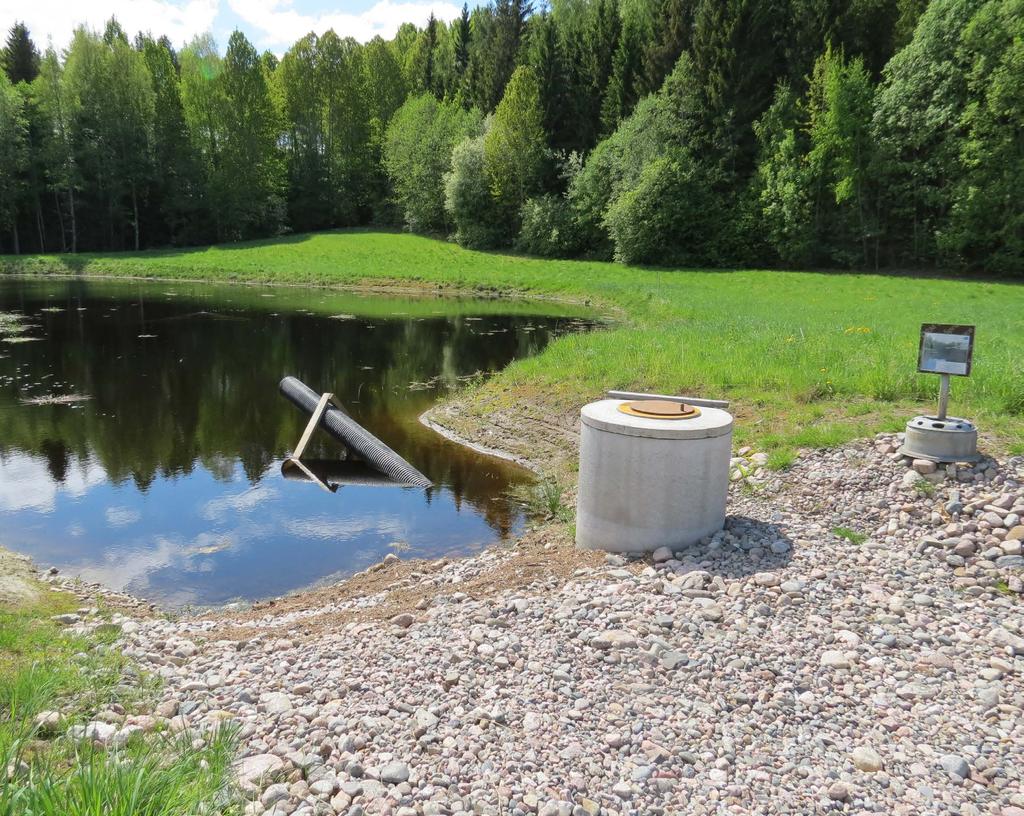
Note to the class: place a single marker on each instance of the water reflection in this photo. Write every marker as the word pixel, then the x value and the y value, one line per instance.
pixel 166 480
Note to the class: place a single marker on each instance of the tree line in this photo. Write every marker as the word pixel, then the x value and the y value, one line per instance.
pixel 796 133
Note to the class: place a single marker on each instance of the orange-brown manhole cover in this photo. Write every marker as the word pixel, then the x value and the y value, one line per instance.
pixel 660 409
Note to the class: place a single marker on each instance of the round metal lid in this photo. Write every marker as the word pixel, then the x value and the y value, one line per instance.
pixel 660 409
pixel 605 415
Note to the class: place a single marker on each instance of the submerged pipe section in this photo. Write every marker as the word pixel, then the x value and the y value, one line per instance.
pixel 338 472
pixel 353 435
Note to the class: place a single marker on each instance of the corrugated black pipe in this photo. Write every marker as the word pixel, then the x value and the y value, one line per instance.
pixel 351 434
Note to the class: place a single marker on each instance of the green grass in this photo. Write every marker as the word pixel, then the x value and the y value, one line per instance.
pixel 850 535
pixel 808 359
pixel 781 458
pixel 42 668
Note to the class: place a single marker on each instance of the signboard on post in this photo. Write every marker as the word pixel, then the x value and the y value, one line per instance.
pixel 946 349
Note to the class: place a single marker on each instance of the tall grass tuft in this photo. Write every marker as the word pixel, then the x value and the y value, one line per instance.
pixel 50 774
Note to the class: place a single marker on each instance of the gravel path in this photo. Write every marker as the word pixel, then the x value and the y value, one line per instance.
pixel 852 643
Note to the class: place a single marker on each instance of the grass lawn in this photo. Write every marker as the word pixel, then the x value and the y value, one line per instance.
pixel 808 359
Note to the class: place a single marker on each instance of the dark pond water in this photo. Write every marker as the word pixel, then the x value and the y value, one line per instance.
pixel 167 483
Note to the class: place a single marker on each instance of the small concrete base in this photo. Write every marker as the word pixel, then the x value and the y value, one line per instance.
pixel 941 440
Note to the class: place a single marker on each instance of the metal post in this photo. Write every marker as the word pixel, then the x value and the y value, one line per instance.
pixel 943 395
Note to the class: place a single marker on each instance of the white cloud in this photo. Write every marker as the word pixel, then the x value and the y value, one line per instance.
pixel 326 528
pixel 279 24
pixel 55 20
pixel 26 484
pixel 122 516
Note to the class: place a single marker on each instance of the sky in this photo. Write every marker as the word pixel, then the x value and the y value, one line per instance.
pixel 270 24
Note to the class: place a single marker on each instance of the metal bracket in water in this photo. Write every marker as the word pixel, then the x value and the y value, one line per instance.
pixel 296 458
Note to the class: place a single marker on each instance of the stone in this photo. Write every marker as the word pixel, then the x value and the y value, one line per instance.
pixel 97 731
pixel 955 765
pixel 994 519
pixel 167 709
pixel 274 794
pixel 834 659
pixel 276 702
pixel 394 773
pixel 767 579
pixel 622 790
pixel 661 555
pixel 916 691
pixel 924 466
pixel 614 740
pixel 1016 533
pixel 614 639
pixel 324 787
pixel 403 621
pixel 424 719
pixel 48 722
pixel 251 770
pixel 866 759
pixel 911 479
pixel 838 791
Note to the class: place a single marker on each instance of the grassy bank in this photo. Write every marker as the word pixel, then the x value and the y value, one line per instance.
pixel 809 359
pixel 50 773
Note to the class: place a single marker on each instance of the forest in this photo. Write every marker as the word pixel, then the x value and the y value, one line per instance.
pixel 865 134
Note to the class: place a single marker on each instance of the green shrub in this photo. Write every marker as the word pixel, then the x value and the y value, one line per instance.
pixel 548 228
pixel 418 153
pixel 468 200
pixel 666 217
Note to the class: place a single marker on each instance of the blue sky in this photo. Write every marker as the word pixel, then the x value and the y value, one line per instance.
pixel 270 24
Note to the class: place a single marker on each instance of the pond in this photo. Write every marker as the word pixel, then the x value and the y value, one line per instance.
pixel 142 432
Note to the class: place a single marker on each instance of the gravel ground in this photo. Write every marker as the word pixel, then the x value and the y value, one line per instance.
pixel 851 643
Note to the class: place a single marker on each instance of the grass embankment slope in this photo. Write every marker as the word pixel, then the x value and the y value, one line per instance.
pixel 809 359
pixel 44 769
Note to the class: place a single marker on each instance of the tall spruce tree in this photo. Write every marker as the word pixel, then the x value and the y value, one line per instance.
pixel 20 57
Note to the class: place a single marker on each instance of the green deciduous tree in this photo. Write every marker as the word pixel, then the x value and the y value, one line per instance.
pixel 112 100
pixel 468 200
pixel 13 159
pixel 986 227
pixel 248 182
pixel 817 200
pixel 347 129
pixel 515 148
pixel 418 153
pixel 175 196
pixel 917 124
pixel 300 80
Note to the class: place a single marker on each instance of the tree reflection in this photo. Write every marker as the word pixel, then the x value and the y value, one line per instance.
pixel 202 390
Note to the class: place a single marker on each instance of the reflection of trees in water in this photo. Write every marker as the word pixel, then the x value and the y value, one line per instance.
pixel 204 390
